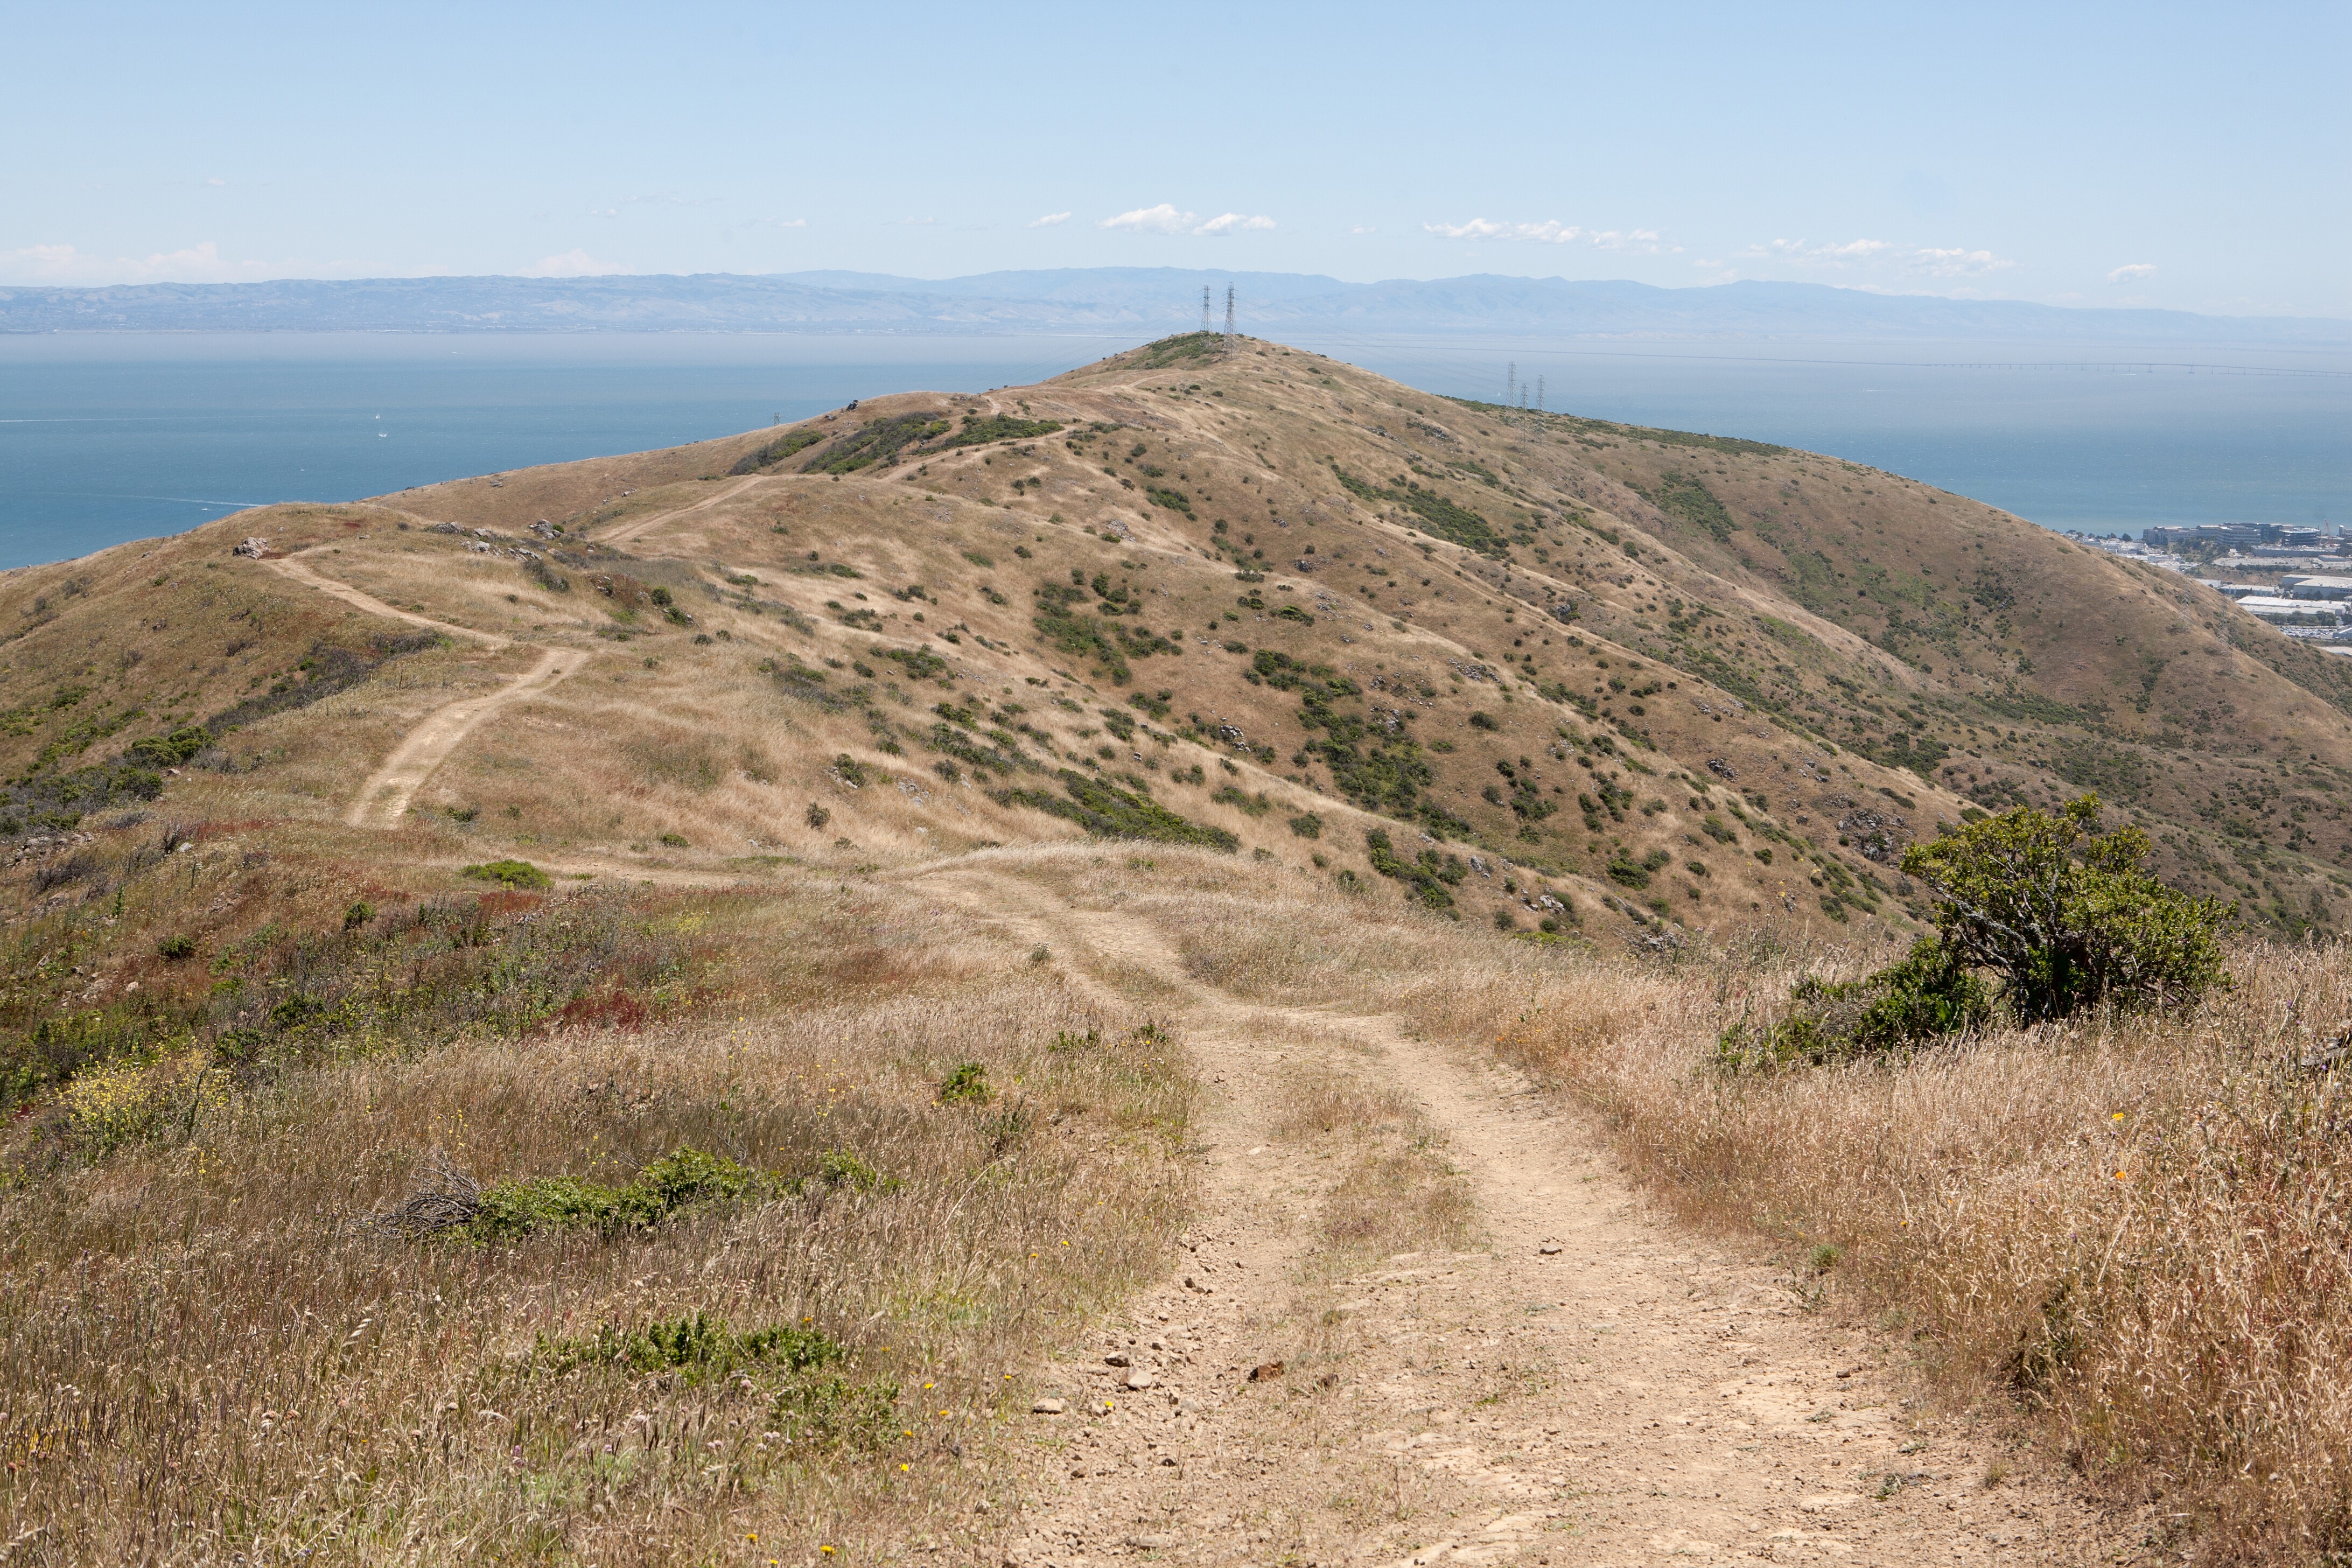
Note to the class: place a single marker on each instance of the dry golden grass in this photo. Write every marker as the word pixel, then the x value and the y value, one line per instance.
pixel 2129 1233
pixel 210 1355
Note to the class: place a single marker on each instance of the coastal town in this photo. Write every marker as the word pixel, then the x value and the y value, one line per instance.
pixel 2297 578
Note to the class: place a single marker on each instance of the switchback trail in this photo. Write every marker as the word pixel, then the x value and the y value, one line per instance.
pixel 1588 1384
pixel 385 796
pixel 637 528
pixel 294 570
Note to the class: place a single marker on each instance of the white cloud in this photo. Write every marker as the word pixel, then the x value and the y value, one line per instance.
pixel 1806 253
pixel 1487 228
pixel 1935 261
pixel 65 265
pixel 1165 219
pixel 1363 228
pixel 1631 239
pixel 917 221
pixel 1161 219
pixel 1553 232
pixel 216 181
pixel 2137 272
pixel 1955 263
pixel 573 263
pixel 1049 220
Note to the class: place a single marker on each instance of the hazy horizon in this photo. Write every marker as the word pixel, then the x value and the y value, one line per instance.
pixel 2087 156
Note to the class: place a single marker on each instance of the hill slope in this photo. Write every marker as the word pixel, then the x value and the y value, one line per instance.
pixel 1525 667
pixel 654 1006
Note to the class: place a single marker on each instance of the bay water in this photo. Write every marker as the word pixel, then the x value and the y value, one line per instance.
pixel 106 438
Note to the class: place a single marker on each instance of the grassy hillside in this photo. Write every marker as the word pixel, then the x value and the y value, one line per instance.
pixel 1656 676
pixel 564 833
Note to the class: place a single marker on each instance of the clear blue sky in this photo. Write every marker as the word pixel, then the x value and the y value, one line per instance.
pixel 2193 157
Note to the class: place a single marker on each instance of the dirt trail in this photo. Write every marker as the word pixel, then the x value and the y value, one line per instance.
pixel 292 568
pixel 385 796
pixel 1631 1395
pixel 637 529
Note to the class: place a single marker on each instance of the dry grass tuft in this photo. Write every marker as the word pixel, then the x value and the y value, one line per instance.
pixel 2135 1233
pixel 211 1353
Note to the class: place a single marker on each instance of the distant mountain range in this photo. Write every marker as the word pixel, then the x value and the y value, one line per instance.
pixel 1111 300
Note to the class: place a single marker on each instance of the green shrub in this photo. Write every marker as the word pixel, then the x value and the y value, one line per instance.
pixel 676 840
pixel 555 1202
pixel 979 430
pixel 840 1168
pixel 968 1085
pixel 175 948
pixel 1308 825
pixel 700 1347
pixel 2067 917
pixel 358 915
pixel 879 442
pixel 776 451
pixel 1249 805
pixel 1109 812
pixel 2062 916
pixel 1427 878
pixel 507 874
pixel 1927 997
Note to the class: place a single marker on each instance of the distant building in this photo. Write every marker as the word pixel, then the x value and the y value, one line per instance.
pixel 2234 536
pixel 2298 587
pixel 2306 612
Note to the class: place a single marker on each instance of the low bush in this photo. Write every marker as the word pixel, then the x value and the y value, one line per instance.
pixel 507 874
pixel 2068 917
pixel 2062 916
pixel 689 1177
pixel 968 1085
pixel 1927 996
pixel 1109 812
pixel 699 1347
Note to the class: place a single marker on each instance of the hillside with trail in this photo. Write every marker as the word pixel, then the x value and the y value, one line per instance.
pixel 1147 967
pixel 1565 1376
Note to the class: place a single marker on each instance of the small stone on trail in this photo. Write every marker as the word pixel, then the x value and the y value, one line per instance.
pixel 1139 1378
pixel 1047 1407
pixel 1548 1248
pixel 1266 1372
pixel 1116 1358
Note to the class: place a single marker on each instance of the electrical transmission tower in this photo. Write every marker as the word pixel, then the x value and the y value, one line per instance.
pixel 1511 384
pixel 1204 307
pixel 1539 389
pixel 1229 310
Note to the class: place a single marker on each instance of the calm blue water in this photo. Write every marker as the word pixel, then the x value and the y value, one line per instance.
pixel 107 437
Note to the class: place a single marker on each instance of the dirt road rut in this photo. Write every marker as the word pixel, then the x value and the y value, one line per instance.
pixel 1590 1384
pixel 384 797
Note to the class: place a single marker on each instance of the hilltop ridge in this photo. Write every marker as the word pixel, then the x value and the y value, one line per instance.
pixel 769 994
pixel 1545 671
